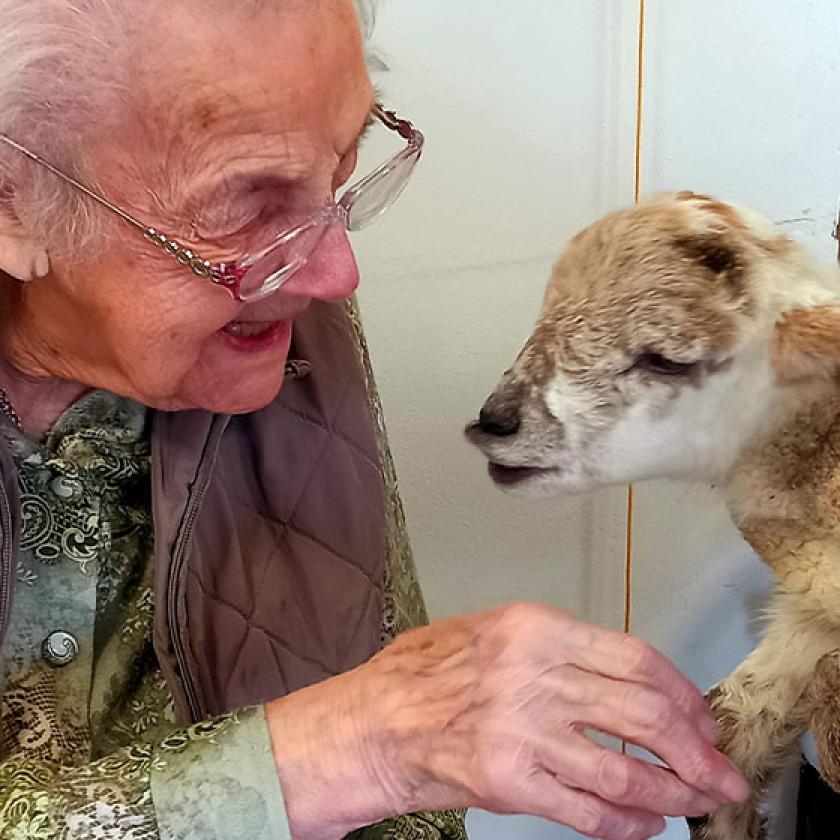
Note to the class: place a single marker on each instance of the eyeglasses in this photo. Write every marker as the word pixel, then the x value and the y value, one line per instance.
pixel 260 274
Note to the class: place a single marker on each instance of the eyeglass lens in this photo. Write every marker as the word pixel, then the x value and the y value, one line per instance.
pixel 360 206
pixel 374 196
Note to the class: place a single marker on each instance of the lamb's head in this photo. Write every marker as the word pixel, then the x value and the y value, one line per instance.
pixel 672 337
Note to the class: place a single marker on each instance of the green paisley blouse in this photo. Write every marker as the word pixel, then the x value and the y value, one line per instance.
pixel 91 751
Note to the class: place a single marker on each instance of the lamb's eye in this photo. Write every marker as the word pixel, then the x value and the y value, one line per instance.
pixel 659 364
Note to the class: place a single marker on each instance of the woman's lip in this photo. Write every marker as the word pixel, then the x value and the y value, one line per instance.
pixel 274 335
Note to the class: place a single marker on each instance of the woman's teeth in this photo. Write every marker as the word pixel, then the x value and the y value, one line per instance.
pixel 248 329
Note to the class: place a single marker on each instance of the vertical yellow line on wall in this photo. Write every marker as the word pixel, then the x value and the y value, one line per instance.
pixel 637 192
pixel 628 563
pixel 640 101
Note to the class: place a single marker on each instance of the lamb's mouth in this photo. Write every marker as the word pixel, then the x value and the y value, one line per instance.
pixel 512 476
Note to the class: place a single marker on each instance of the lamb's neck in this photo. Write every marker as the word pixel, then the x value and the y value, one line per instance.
pixel 784 489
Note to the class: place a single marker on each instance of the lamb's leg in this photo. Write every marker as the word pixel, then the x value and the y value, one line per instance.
pixel 760 743
pixel 762 709
pixel 825 721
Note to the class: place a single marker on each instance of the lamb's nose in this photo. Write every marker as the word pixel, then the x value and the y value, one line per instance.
pixel 499 420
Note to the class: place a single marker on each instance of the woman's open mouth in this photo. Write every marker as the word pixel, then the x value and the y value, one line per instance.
pixel 255 336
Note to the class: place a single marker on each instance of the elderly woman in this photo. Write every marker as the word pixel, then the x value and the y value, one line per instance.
pixel 198 570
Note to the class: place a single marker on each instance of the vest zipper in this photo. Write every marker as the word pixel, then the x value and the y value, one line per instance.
pixel 196 497
pixel 6 571
pixel 295 370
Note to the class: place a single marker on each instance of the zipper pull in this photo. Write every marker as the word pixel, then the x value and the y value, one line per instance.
pixel 297 369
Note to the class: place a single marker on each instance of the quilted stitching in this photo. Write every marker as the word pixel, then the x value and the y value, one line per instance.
pixel 316 461
pixel 337 433
pixel 377 585
pixel 253 626
pixel 312 607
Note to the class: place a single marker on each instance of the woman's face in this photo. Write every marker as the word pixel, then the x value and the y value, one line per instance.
pixel 240 126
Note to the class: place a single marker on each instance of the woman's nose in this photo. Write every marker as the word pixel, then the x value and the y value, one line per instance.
pixel 331 273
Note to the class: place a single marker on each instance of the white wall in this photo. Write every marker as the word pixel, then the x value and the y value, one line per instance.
pixel 528 106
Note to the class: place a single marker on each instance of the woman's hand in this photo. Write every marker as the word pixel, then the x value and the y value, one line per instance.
pixel 489 711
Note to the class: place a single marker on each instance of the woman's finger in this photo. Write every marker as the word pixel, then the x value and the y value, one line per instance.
pixel 627 658
pixel 623 780
pixel 646 717
pixel 588 814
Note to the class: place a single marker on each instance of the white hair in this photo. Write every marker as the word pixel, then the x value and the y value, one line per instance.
pixel 50 85
pixel 54 80
pixel 366 10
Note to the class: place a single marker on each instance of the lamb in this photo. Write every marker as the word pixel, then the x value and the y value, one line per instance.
pixel 690 339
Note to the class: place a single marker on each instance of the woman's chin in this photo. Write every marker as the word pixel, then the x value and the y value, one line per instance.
pixel 240 396
pixel 229 380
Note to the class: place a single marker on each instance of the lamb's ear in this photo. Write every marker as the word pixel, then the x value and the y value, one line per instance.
pixel 806 345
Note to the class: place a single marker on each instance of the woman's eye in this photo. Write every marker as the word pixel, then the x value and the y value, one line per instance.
pixel 240 227
pixel 663 366
pixel 224 222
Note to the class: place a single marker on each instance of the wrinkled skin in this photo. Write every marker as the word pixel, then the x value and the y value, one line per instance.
pixel 285 124
pixel 488 711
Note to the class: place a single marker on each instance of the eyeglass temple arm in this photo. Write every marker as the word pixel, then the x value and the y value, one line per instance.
pixel 390 120
pixel 200 267
pixel 126 217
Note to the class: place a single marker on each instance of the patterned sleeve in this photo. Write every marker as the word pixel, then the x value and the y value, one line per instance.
pixel 215 779
pixel 441 825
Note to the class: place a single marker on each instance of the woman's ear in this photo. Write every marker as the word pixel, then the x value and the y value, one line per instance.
pixel 806 345
pixel 21 255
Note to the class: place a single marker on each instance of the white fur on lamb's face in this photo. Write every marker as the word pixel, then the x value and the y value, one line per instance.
pixel 688 430
pixel 673 430
pixel 591 412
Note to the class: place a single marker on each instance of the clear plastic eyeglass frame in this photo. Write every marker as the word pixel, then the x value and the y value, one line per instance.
pixel 263 273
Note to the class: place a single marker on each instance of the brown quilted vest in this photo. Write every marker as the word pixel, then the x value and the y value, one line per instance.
pixel 271 533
